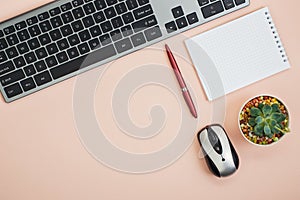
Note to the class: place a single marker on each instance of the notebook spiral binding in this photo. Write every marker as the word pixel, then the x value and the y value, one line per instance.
pixel 276 37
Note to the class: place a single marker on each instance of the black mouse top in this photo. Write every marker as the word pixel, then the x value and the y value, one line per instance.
pixel 219 152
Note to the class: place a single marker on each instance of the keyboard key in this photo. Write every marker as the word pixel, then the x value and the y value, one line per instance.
pixel 171 27
pixel 153 33
pixel 116 35
pixel 94 44
pixel 123 45
pixel 126 30
pixel 56 22
pixel 23 48
pixel 181 22
pixel 228 4
pixel 44 39
pixel 9 30
pixel 3 44
pixel 95 31
pixel 52 49
pixel 13 90
pixel 62 57
pixel 12 39
pixel 43 16
pixel 78 13
pixel 143 12
pixel 51 61
pixel 106 27
pixel 40 66
pixel 19 62
pixel 45 26
pixel 29 70
pixel 100 4
pixel 73 40
pixel 55 11
pixel 12 77
pixel 82 62
pixel 67 17
pixel 127 18
pixel 66 7
pixel 30 57
pixel 55 35
pixel 33 43
pixel 138 39
pixel 63 44
pixel 34 30
pixel 117 22
pixel 177 12
pixel 110 12
pixel 12 52
pixel 239 2
pixel 32 21
pixel 6 67
pixel 111 2
pixel 73 53
pixel 1 34
pixel 3 57
pixel 143 2
pixel 77 2
pixel 28 84
pixel 99 17
pixel 88 21
pixel 23 35
pixel 131 4
pixel 84 35
pixel 192 18
pixel 121 8
pixel 77 26
pixel 89 8
pixel 84 48
pixel 66 30
pixel 41 53
pixel 203 2
pixel 212 9
pixel 144 23
pixel 21 25
pixel 42 78
pixel 105 39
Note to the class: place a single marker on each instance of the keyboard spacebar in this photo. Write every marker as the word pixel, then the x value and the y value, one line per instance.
pixel 83 61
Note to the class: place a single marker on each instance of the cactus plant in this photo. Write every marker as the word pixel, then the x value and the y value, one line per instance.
pixel 264 120
pixel 267 120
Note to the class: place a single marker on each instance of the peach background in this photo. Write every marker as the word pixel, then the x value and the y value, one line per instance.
pixel 42 157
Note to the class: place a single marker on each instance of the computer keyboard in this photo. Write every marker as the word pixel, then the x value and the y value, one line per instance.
pixel 51 43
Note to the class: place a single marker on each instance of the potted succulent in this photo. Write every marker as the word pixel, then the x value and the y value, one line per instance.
pixel 264 120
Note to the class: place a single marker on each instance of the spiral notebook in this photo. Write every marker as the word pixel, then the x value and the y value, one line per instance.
pixel 238 54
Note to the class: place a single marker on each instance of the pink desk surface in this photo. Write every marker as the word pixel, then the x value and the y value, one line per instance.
pixel 42 157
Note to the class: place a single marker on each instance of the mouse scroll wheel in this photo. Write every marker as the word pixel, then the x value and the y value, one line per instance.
pixel 215 142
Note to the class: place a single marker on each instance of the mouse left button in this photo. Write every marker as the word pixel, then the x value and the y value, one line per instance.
pixel 214 140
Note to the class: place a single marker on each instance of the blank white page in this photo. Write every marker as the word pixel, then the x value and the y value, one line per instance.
pixel 238 53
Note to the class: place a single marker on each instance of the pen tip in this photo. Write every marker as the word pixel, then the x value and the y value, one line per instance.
pixel 167 47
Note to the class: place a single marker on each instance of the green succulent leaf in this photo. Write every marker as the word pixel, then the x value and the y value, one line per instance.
pixel 259 120
pixel 259 130
pixel 275 107
pixel 272 122
pixel 254 112
pixel 260 106
pixel 268 131
pixel 267 110
pixel 278 117
pixel 252 122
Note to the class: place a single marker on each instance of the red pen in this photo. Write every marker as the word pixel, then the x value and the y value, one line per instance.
pixel 184 89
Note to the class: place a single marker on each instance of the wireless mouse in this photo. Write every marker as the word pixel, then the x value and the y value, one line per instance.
pixel 220 155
